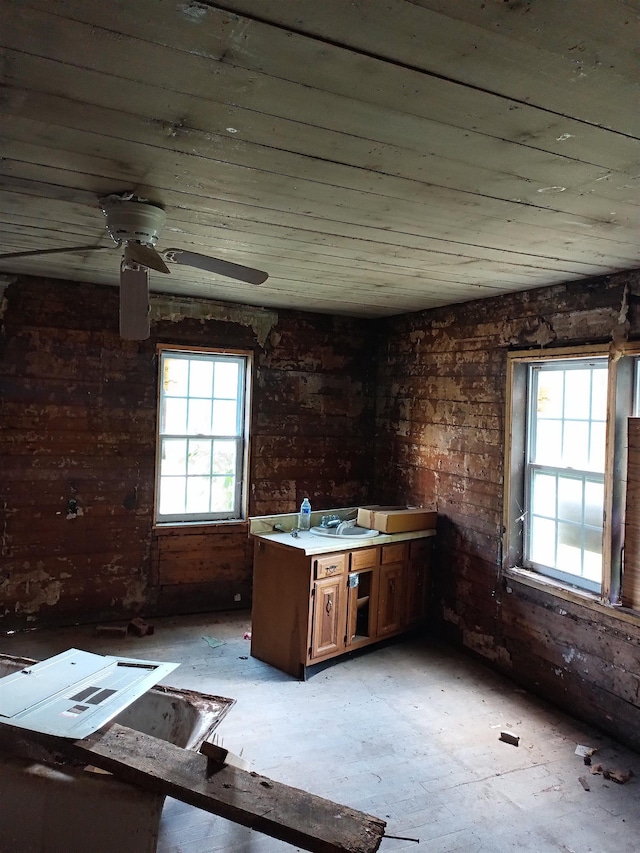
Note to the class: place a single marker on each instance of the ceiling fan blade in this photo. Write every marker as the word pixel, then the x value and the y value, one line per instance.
pixel 34 252
pixel 215 265
pixel 144 256
pixel 134 304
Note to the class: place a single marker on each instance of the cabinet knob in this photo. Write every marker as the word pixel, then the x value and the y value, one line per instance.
pixel 329 604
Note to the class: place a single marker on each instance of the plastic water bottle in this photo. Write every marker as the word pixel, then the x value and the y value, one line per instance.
pixel 304 517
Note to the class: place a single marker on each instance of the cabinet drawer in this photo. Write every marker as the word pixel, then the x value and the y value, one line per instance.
pixel 329 565
pixel 364 559
pixel 393 553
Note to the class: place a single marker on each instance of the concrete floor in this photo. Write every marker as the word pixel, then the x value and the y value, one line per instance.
pixel 408 732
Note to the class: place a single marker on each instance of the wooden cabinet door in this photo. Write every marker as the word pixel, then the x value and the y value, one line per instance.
pixel 390 599
pixel 417 582
pixel 329 617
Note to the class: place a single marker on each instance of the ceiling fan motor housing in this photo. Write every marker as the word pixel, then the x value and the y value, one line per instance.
pixel 133 221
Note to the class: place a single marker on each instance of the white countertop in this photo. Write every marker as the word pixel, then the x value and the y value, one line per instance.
pixel 310 544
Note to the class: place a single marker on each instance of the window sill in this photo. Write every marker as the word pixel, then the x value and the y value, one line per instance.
pixel 173 528
pixel 570 593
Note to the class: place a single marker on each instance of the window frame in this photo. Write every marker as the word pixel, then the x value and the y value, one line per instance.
pixel 622 383
pixel 567 472
pixel 239 513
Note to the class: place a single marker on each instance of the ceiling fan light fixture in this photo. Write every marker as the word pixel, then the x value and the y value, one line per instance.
pixel 131 221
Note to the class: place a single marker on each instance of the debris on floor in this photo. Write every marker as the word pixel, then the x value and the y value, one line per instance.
pixel 585 751
pixel 619 776
pixel 247 635
pixel 213 642
pixel 510 737
pixel 584 783
pixel 402 838
pixel 111 630
pixel 139 628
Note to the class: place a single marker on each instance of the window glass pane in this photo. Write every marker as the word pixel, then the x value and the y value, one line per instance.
pixel 198 494
pixel 199 417
pixel 592 569
pixel 575 444
pixel 599 395
pixel 598 447
pixel 226 384
pixel 543 496
pixel 172 495
pixel 550 393
pixel 174 457
pixel 199 457
pixel 593 542
pixel 577 393
pixel 594 503
pixel 174 421
pixel 176 376
pixel 224 457
pixel 569 548
pixel 225 417
pixel 222 494
pixel 200 378
pixel 570 499
pixel 548 450
pixel 543 541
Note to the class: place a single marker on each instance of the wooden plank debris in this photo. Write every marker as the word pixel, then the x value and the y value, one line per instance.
pixel 289 814
pixel 510 737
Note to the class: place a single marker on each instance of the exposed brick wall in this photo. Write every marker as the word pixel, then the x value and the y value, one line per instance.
pixel 78 424
pixel 440 439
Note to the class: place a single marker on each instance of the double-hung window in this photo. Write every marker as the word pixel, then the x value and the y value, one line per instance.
pixel 564 470
pixel 569 468
pixel 203 403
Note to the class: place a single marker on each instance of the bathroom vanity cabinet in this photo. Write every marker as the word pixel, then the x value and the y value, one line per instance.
pixel 309 607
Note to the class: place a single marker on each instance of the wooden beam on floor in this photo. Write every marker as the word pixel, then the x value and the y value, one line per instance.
pixel 244 797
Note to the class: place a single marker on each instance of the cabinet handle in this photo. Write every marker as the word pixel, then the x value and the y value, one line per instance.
pixel 392 586
pixel 331 569
pixel 329 604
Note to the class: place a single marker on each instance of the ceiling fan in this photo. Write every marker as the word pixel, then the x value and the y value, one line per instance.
pixel 134 224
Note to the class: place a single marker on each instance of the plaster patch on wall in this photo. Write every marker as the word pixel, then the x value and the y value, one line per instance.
pixel 135 595
pixel 174 309
pixel 620 332
pixel 450 616
pixel 485 645
pixel 537 331
pixel 572 654
pixel 39 590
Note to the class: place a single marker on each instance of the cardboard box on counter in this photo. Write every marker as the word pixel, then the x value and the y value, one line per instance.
pixel 394 519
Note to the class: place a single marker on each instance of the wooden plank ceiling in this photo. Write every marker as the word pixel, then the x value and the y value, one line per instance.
pixel 374 156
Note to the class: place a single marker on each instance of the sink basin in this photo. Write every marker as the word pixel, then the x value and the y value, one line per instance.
pixel 349 533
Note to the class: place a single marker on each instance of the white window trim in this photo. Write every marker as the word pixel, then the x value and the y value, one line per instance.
pixel 532 380
pixel 190 521
pixel 620 393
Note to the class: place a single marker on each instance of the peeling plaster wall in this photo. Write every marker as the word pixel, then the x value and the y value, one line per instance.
pixel 440 438
pixel 77 448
